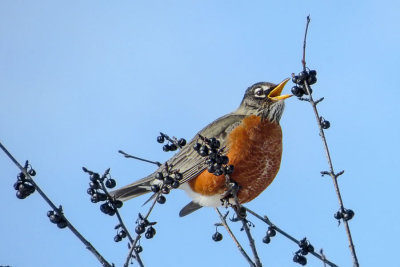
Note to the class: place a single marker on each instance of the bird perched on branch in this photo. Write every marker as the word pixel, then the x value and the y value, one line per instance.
pixel 252 141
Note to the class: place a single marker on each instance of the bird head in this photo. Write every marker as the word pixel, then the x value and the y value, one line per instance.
pixel 264 99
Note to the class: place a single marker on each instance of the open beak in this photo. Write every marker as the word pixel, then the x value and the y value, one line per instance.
pixel 275 94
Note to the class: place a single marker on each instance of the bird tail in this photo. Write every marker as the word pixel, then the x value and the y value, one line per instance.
pixel 133 190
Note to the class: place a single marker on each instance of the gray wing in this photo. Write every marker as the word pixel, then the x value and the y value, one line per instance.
pixel 187 161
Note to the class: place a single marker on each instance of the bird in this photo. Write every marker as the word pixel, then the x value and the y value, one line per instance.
pixel 252 140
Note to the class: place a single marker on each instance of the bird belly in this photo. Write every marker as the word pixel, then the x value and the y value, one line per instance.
pixel 255 150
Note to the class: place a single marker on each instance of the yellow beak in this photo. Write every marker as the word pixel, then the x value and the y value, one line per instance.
pixel 275 94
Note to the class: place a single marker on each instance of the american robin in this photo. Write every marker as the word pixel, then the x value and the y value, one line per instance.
pixel 252 138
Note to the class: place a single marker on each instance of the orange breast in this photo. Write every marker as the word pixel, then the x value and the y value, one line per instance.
pixel 255 151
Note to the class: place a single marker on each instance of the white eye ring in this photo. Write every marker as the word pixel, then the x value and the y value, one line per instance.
pixel 259 93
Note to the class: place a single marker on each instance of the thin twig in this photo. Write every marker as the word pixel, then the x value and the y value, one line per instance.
pixel 323 138
pixel 224 223
pixel 126 155
pixel 88 245
pixel 267 221
pixel 303 61
pixel 238 208
pixel 139 236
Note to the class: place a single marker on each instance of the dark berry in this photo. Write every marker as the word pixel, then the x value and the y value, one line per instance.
pixel 300 259
pixel 62 224
pixel 348 215
pixel 218 172
pixel 17 184
pixel 302 77
pixel 161 199
pixel 311 80
pixel 196 146
pixel 223 160
pixel 217 236
pixel 20 195
pixel 212 156
pixel 159 176
pixel 165 190
pixel 49 213
pixel 90 191
pixel 30 188
pixel 55 218
pixel 297 91
pixel 166 148
pixel 94 185
pixel 122 234
pixel 101 196
pixel 94 177
pixel 182 142
pixel 214 143
pixel 325 124
pixel 105 208
pixel 229 169
pixel 118 204
pixel 313 73
pixel 203 151
pixel 271 232
pixel 139 229
pixel 310 248
pixel 266 239
pixel 110 183
pixel 112 212
pixel 338 215
pixel 304 251
pixel 173 147
pixel 294 79
pixel 32 172
pixel 210 162
pixel 144 222
pixel 178 176
pixel 175 184
pixel 150 233
pixel 168 180
pixel 94 198
pixel 117 238
pixel 211 169
pixel 160 139
pixel 138 249
pixel 155 188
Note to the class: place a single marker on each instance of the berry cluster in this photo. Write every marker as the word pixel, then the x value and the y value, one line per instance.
pixel 173 143
pixel 23 186
pixel 144 226
pixel 270 233
pixel 216 161
pixel 57 218
pixel 346 214
pixel 217 236
pixel 305 76
pixel 121 234
pixel 305 248
pixel 98 191
pixel 167 181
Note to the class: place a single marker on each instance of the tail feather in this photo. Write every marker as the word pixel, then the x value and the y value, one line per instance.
pixel 133 190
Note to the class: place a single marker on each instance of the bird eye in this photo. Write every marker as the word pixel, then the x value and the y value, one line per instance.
pixel 259 92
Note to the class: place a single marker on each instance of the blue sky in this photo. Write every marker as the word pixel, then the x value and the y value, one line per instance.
pixel 81 80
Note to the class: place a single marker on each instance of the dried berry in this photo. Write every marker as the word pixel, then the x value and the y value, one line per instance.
pixel 160 139
pixel 266 239
pixel 110 183
pixel 217 236
pixel 182 142
pixel 161 199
